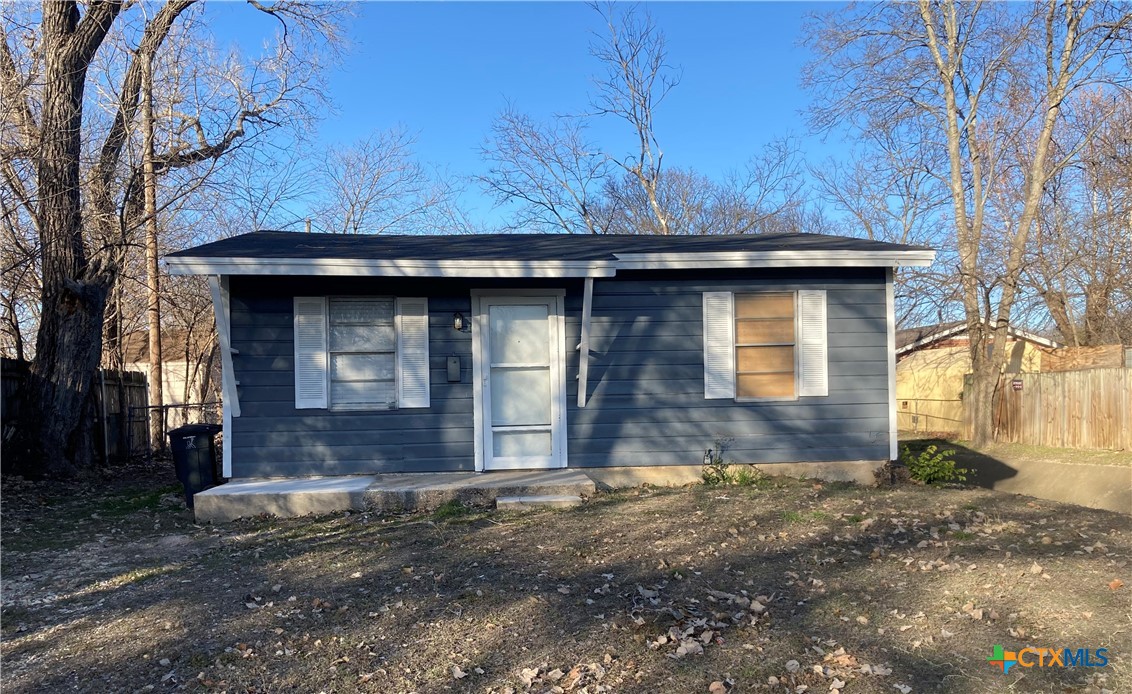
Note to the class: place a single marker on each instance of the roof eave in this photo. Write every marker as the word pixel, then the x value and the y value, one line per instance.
pixel 760 259
pixel 198 265
pixel 338 267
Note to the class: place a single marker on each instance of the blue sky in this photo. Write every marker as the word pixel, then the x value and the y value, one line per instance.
pixel 444 70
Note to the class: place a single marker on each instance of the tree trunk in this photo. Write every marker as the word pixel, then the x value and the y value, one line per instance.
pixel 980 396
pixel 73 295
pixel 152 278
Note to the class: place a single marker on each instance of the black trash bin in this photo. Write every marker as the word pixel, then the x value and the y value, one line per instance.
pixel 194 454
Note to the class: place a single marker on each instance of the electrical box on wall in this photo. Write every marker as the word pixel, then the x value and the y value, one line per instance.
pixel 454 369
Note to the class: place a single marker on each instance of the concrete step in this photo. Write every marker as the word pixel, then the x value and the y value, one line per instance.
pixel 526 503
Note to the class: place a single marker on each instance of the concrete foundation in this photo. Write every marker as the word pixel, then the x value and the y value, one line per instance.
pixel 529 503
pixel 860 471
pixel 288 498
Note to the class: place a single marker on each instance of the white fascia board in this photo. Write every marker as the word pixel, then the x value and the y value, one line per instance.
pixel 188 265
pixel 745 259
pixel 1036 339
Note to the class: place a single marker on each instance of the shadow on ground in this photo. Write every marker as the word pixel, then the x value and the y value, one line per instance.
pixel 908 586
pixel 1025 470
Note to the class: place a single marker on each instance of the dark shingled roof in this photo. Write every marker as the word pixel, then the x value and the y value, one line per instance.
pixel 907 336
pixel 292 245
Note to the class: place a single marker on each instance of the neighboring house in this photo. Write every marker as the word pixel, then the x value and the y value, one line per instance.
pixel 190 368
pixel 932 363
pixel 363 354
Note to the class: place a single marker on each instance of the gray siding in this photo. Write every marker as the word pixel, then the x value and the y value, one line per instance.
pixel 272 438
pixel 645 405
pixel 646 401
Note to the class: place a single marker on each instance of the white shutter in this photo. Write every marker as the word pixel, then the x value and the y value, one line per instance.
pixel 412 352
pixel 814 378
pixel 719 346
pixel 310 352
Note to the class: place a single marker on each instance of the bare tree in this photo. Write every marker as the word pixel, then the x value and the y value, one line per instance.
pixel 889 192
pixel 986 83
pixel 376 186
pixel 764 197
pixel 1079 263
pixel 83 218
pixel 552 171
pixel 637 79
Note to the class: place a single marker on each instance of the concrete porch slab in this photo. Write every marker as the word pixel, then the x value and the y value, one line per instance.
pixel 402 492
pixel 285 498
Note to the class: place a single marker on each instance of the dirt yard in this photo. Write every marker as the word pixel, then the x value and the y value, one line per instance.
pixel 784 586
pixel 1093 478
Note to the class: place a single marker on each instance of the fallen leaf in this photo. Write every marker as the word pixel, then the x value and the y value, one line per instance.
pixel 528 675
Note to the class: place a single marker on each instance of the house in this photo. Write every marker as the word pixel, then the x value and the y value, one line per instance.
pixel 624 356
pixel 931 368
pixel 189 368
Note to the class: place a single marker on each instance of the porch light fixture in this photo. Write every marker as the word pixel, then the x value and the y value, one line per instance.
pixel 458 321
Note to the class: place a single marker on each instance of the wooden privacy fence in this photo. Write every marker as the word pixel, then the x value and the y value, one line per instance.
pixel 1091 408
pixel 116 435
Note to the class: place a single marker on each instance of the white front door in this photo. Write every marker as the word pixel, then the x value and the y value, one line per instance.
pixel 522 393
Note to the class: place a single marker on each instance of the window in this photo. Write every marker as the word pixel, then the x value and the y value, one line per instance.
pixel 361 353
pixel 765 345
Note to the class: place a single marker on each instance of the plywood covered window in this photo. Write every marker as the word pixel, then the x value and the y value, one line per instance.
pixel 764 345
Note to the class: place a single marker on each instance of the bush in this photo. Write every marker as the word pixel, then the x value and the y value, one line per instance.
pixel 933 466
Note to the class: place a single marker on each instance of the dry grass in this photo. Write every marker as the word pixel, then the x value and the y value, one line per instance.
pixel 917 584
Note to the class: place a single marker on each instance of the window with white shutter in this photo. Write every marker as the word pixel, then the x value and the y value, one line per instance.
pixel 361 353
pixel 765 345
